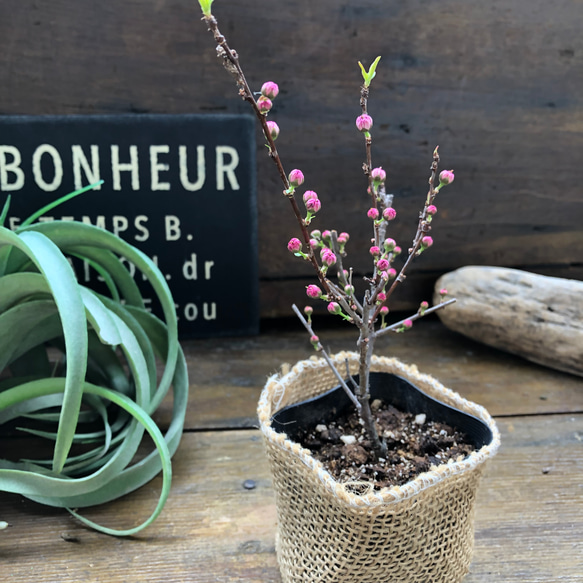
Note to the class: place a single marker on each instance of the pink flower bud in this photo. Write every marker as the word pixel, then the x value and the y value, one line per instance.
pixel 308 310
pixel 341 240
pixel 326 235
pixel 314 243
pixel 374 250
pixel 316 234
pixel 349 289
pixel 392 273
pixel 269 89
pixel 389 213
pixel 329 258
pixel 313 205
pixel 309 195
pixel 294 245
pixel 384 311
pixel 378 174
pixel 389 245
pixel 408 324
pixel 382 264
pixel 314 340
pixel 427 241
pixel 443 292
pixel 334 308
pixel 431 209
pixel 345 236
pixel 373 213
pixel 424 305
pixel 446 177
pixel 296 177
pixel 382 297
pixel 313 291
pixel 364 122
pixel 396 250
pixel 264 104
pixel 273 129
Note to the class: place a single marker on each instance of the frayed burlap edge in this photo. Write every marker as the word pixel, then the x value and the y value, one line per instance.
pixel 288 388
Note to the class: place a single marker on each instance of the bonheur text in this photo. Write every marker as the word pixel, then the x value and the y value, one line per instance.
pixel 120 167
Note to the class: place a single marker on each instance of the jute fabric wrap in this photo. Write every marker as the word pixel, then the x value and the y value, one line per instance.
pixel 328 532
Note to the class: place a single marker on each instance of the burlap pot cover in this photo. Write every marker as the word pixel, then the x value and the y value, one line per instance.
pixel 421 532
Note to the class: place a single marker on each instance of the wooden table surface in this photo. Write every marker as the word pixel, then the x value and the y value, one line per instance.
pixel 529 523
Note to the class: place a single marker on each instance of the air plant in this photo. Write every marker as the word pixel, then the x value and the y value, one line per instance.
pixel 78 369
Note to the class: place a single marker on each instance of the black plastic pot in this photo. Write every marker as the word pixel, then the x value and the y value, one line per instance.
pixel 391 389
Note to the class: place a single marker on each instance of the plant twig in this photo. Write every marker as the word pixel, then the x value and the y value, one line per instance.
pixel 327 358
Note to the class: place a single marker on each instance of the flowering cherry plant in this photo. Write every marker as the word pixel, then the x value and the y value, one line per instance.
pixel 326 250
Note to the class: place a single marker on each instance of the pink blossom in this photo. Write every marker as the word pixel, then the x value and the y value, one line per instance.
pixel 407 324
pixel 294 245
pixel 383 264
pixel 431 209
pixel 389 244
pixel 316 234
pixel 384 311
pixel 264 104
pixel 427 241
pixel 374 250
pixel 392 272
pixel 313 291
pixel 313 205
pixel 424 305
pixel 314 339
pixel 345 236
pixel 396 250
pixel 314 243
pixel 389 213
pixel 273 129
pixel 309 194
pixel 364 122
pixel 349 289
pixel 296 177
pixel 446 177
pixel 382 297
pixel 443 292
pixel 378 174
pixel 326 235
pixel 328 258
pixel 270 89
pixel 373 213
pixel 334 308
pixel 308 310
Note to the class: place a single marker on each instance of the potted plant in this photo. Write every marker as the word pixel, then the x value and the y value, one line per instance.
pixel 375 465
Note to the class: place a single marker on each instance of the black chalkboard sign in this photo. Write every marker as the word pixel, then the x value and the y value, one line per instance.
pixel 179 187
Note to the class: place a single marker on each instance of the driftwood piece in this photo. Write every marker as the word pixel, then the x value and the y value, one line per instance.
pixel 537 317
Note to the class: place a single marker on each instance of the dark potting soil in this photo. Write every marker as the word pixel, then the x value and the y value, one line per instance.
pixel 414 446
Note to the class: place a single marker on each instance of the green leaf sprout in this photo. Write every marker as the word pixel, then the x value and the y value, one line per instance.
pixel 369 75
pixel 206 6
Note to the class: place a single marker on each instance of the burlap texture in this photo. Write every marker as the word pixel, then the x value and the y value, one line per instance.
pixel 421 532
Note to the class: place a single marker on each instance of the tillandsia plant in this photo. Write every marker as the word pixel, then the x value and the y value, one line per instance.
pixel 326 249
pixel 78 369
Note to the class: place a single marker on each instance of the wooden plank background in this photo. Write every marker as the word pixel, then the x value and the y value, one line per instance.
pixel 498 85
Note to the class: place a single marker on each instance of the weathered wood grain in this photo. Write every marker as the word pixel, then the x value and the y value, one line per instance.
pixel 497 85
pixel 227 375
pixel 537 317
pixel 528 524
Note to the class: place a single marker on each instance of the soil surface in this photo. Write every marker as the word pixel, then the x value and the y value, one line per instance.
pixel 414 446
